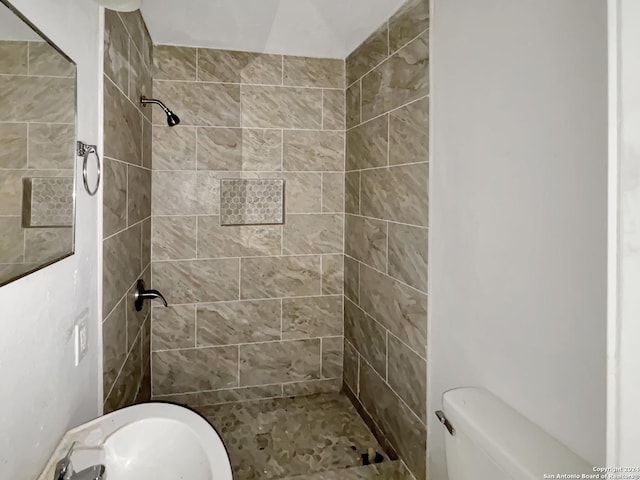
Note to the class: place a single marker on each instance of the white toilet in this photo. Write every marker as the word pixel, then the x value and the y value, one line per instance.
pixel 486 439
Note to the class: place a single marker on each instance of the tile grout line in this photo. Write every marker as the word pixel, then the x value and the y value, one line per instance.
pixel 244 344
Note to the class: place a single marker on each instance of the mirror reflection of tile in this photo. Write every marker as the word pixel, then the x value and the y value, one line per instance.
pixel 47 202
pixel 251 201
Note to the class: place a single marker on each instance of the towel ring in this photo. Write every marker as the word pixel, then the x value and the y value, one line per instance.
pixel 84 150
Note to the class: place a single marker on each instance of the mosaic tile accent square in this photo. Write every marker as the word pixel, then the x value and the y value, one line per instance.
pixel 48 202
pixel 251 201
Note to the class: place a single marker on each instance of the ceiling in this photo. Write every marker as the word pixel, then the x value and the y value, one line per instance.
pixel 314 28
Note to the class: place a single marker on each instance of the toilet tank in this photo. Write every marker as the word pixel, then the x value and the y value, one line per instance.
pixel 492 441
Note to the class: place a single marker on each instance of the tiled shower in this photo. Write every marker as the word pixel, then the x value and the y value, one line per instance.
pixel 332 300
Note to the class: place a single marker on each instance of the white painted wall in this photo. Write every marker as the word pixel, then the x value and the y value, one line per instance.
pixel 43 394
pixel 518 229
pixel 623 436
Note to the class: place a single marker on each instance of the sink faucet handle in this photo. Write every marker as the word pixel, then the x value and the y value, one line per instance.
pixel 64 469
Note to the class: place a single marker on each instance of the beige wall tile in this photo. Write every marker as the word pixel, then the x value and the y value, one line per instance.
pixel 229 323
pixel 209 104
pixel 313 150
pixel 182 371
pixel 51 146
pixel 37 99
pixel 333 108
pixel 146 242
pixel 408 252
pixel 309 233
pixel 303 192
pixel 408 376
pixel 332 357
pixel 275 362
pixel 147 143
pixel 174 238
pixel 239 67
pixel 139 194
pixel 13 57
pixel 46 60
pixel 310 317
pixel 399 308
pixel 174 327
pixel 313 72
pixel 12 240
pixel 140 82
pixel 174 148
pixel 236 241
pixel 366 240
pixel 13 144
pixel 134 23
pixel 116 50
pixel 174 63
pixel 399 80
pixel 369 54
pixel 136 320
pixel 187 399
pixel 332 274
pixel 11 187
pixel 261 150
pixel 314 387
pixel 122 127
pixel 352 194
pixel 351 366
pixel 43 245
pixel 114 341
pixel 400 194
pixel 409 133
pixel 281 107
pixel 280 277
pixel 217 397
pixel 352 279
pixel 367 145
pixel 128 383
pixel 122 264
pixel 192 281
pixel 407 23
pixel 333 185
pixel 352 105
pixel 219 149
pixel 367 336
pixel 185 193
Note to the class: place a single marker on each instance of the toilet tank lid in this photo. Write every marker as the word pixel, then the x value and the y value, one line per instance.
pixel 514 442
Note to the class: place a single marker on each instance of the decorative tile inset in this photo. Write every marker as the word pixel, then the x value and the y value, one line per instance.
pixel 251 201
pixel 48 202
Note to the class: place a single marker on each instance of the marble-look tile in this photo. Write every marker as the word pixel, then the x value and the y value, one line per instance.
pixel 228 323
pixel 280 277
pixel 114 345
pixel 261 150
pixel 408 252
pixel 350 366
pixel 51 146
pixel 140 82
pixel 219 149
pixel 122 127
pixel 116 50
pixel 215 240
pixel 303 192
pixel 174 238
pixel 13 144
pixel 144 394
pixel 13 57
pixel 174 63
pixel 127 385
pixel 122 265
pixel 407 376
pixel 43 245
pixel 409 133
pixel 369 54
pixel 365 240
pixel 185 193
pixel 46 60
pixel 146 242
pixel 332 357
pixel 367 145
pixel 218 397
pixel 332 274
pixel 310 317
pixel 134 23
pixel 312 387
pixel 352 279
pixel 399 308
pixel 136 320
pixel 147 143
pixel 37 99
pixel 399 194
pixel 404 430
pixel 402 78
pixel 352 194
pixel 11 182
pixel 312 233
pixel 187 399
pixel 139 194
pixel 210 104
pixel 275 362
pixel 239 67
pixel 389 470
pixel 313 72
pixel 407 23
pixel 352 105
pixel 183 371
pixel 313 150
pixel 333 109
pixel 281 107
pixel 174 148
pixel 192 281
pixel 173 327
pixel 367 336
pixel 12 240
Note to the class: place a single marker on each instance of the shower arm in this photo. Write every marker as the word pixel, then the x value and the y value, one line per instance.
pixel 145 101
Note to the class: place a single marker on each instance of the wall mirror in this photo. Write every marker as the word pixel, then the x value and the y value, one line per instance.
pixel 37 143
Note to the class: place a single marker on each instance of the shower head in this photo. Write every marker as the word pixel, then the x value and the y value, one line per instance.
pixel 172 118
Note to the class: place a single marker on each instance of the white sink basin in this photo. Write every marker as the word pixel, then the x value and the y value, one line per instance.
pixel 152 441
